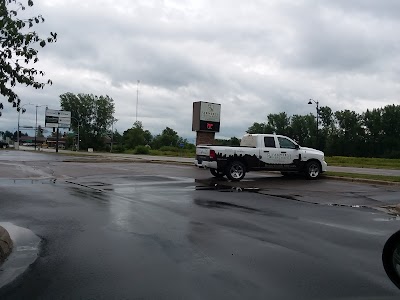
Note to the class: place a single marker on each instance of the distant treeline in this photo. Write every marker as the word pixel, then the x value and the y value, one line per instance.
pixel 374 133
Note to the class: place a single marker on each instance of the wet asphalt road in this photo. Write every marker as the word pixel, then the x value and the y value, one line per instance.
pixel 148 231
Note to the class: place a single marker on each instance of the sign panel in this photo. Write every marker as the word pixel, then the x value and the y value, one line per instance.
pixel 206 116
pixel 57 118
pixel 209 126
pixel 210 112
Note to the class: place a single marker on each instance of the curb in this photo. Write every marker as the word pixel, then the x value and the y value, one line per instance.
pixel 6 244
pixel 166 162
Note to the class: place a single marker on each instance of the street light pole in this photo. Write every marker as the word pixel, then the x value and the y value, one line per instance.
pixel 19 115
pixel 36 127
pixel 317 103
pixel 137 98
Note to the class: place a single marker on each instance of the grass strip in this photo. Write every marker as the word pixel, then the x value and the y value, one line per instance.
pixel 364 176
pixel 363 162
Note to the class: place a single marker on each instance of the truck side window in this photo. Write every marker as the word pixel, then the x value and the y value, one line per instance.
pixel 285 143
pixel 269 142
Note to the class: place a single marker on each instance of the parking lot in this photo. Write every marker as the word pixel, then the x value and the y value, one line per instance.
pixel 118 230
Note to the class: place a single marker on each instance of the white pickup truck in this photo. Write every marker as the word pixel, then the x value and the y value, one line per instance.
pixel 261 152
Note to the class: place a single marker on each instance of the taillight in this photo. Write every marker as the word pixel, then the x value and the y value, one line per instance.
pixel 213 155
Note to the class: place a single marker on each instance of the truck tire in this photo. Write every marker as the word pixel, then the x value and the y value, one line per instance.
pixel 217 173
pixel 313 169
pixel 235 170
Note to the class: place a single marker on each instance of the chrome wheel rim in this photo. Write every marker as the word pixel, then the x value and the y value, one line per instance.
pixel 236 171
pixel 313 170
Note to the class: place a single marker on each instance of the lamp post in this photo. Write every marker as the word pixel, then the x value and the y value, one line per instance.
pixel 36 123
pixel 19 115
pixel 317 103
pixel 79 124
pixel 137 97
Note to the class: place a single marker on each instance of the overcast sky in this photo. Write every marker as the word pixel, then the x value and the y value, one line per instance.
pixel 253 57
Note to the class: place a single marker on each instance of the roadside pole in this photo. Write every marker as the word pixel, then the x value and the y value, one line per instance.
pixel 58 132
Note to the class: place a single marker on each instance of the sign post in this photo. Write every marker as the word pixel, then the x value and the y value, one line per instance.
pixel 57 119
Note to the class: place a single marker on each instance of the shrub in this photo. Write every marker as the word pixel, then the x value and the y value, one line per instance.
pixel 142 150
pixel 169 148
pixel 118 149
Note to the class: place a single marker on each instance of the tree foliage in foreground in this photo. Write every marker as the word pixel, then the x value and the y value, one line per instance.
pixel 18 50
pixel 374 133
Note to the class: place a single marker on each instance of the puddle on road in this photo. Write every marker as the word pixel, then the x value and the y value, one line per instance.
pixel 8 182
pixel 222 185
pixel 211 204
pixel 226 188
pixel 222 204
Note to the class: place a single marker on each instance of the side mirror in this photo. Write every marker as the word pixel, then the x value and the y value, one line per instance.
pixel 297 147
pixel 391 258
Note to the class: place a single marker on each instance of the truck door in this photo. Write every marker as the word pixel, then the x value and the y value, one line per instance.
pixel 288 150
pixel 269 153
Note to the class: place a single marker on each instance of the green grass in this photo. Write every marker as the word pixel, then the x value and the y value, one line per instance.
pixel 183 153
pixel 363 162
pixel 364 176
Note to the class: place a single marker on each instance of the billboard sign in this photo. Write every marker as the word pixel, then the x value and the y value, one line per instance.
pixel 210 112
pixel 206 116
pixel 57 118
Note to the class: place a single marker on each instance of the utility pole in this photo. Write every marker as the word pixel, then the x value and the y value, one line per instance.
pixel 58 132
pixel 137 98
pixel 36 127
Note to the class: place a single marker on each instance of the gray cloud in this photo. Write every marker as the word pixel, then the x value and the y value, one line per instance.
pixel 253 57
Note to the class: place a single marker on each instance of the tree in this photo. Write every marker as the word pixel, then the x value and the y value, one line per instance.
pixel 260 128
pixel 280 123
pixel 303 129
pixel 136 136
pixel 168 137
pixel 349 134
pixel 391 130
pixel 8 134
pixel 327 120
pixel 233 141
pixel 95 116
pixel 373 133
pixel 17 53
pixel 39 131
pixel 372 120
pixel 14 136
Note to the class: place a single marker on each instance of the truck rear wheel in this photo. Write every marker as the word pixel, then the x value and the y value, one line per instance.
pixel 217 173
pixel 235 170
pixel 313 169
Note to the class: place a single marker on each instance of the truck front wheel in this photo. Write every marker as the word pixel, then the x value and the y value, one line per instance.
pixel 235 170
pixel 217 173
pixel 313 169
